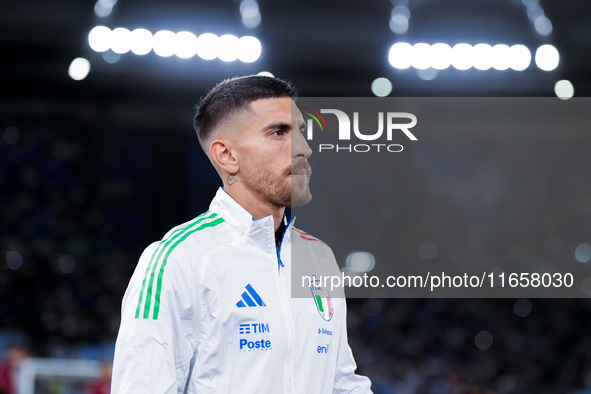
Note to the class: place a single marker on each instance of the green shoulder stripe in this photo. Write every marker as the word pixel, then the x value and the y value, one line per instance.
pixel 161 273
pixel 158 252
pixel 158 259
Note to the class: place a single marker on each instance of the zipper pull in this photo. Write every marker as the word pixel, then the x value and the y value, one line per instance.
pixel 279 259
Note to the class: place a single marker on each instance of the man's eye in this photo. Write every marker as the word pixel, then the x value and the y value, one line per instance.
pixel 278 132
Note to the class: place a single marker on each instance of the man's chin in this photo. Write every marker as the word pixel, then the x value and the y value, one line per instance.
pixel 300 198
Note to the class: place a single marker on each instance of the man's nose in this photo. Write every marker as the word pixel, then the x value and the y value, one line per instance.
pixel 299 146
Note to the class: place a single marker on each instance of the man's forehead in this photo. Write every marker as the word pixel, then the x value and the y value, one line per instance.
pixel 282 108
pixel 271 105
pixel 262 112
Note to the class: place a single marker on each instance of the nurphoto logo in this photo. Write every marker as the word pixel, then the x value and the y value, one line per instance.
pixel 394 123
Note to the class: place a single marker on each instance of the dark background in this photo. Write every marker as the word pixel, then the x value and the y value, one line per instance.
pixel 99 168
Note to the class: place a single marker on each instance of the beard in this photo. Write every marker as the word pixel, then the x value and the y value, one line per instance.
pixel 300 186
pixel 279 190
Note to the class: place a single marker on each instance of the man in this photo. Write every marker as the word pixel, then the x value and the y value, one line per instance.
pixel 208 309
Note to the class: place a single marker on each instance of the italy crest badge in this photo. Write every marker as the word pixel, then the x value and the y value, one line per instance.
pixel 322 300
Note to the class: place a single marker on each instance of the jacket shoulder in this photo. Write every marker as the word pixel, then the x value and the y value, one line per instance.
pixel 303 241
pixel 306 237
pixel 184 246
pixel 196 234
pixel 168 266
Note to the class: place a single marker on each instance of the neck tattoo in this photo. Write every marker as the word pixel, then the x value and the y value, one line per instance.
pixel 232 180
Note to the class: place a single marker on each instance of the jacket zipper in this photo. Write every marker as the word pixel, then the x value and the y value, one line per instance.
pixel 279 248
pixel 287 316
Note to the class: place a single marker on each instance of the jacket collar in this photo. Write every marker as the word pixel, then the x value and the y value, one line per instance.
pixel 241 220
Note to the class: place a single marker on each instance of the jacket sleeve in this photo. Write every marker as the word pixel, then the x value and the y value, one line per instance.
pixel 155 345
pixel 346 381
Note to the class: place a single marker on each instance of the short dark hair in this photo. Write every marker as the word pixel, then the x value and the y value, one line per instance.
pixel 233 95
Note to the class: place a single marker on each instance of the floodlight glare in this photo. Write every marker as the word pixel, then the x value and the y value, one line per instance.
pixel 421 56
pixel 251 20
pixel 164 43
pixel 520 57
pixel 400 55
pixel 482 57
pixel 207 46
pixel 120 40
pixel 185 45
pixel 249 49
pixel 428 74
pixel 543 25
pixel 251 17
pixel 534 11
pixel 462 56
pixel 564 90
pixel 501 55
pixel 99 39
pixel 381 87
pixel 441 56
pixel 547 57
pixel 141 41
pixel 249 7
pixel 228 48
pixel 101 10
pixel 79 69
pixel 401 10
pixel 399 24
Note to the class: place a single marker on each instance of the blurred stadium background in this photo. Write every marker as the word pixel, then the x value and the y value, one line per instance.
pixel 98 159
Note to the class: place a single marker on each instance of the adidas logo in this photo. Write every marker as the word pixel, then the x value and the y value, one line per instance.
pixel 250 298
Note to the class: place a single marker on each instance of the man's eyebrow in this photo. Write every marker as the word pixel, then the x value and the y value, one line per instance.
pixel 278 126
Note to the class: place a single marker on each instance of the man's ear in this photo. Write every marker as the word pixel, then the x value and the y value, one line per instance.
pixel 222 154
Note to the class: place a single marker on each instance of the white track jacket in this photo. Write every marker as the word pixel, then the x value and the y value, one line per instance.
pixel 209 310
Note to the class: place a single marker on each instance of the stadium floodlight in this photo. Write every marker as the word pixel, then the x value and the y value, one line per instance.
pixel 421 56
pixel 120 40
pixel 99 39
pixel 565 90
pixel 400 55
pixel 381 87
pixel 142 41
pixel 164 43
pixel 249 49
pixel 441 56
pixel 102 10
pixel 360 261
pixel 543 25
pixel 501 55
pixel 462 56
pixel 482 57
pixel 399 24
pixel 249 7
pixel 520 57
pixel 207 46
pixel 251 16
pixel 228 48
pixel 547 57
pixel 79 69
pixel 428 74
pixel 401 9
pixel 185 45
pixel 399 19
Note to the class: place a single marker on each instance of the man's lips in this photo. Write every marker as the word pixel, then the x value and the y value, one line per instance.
pixel 300 169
